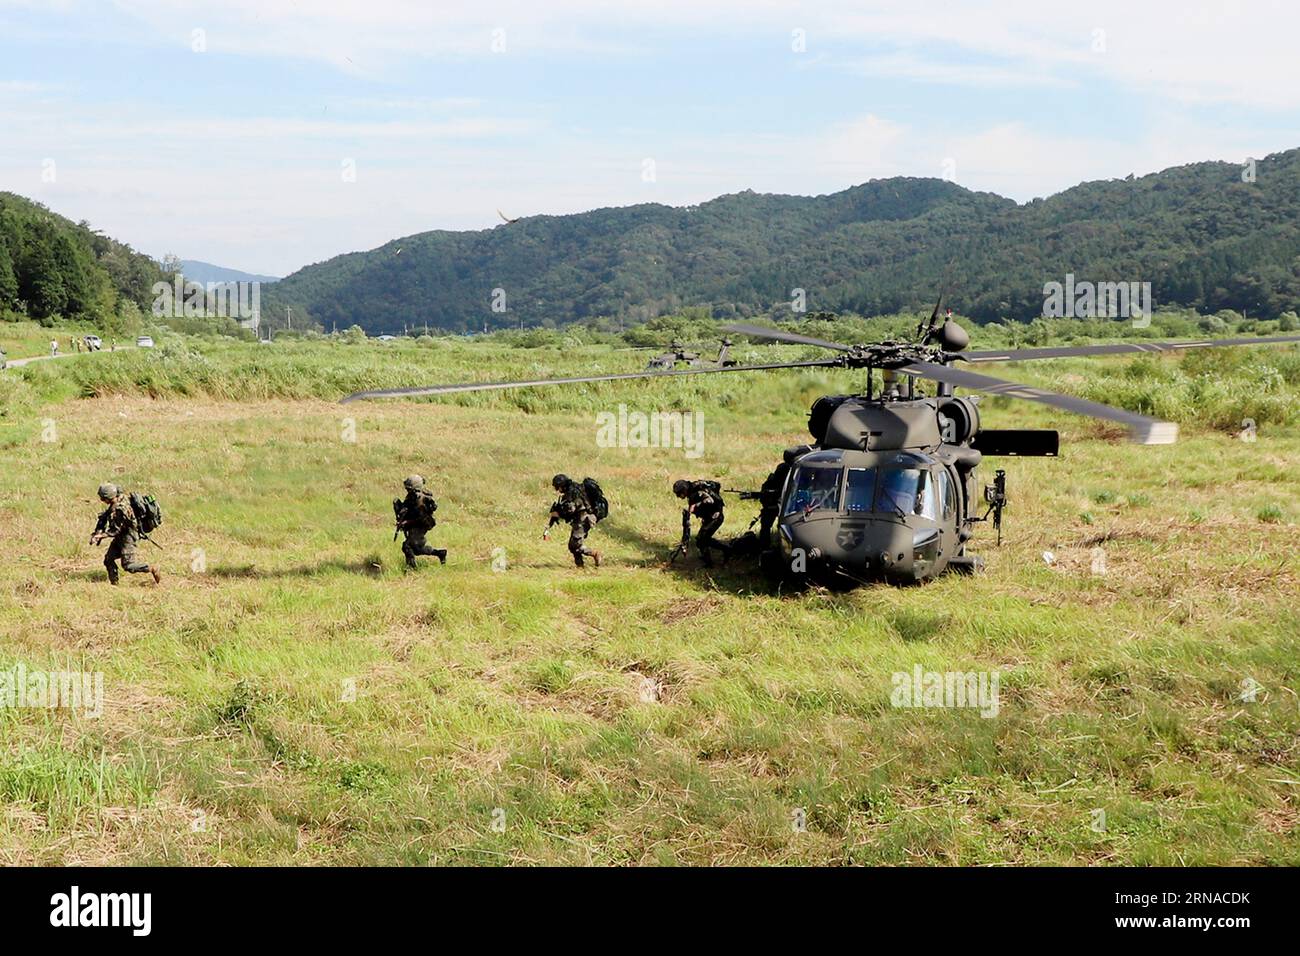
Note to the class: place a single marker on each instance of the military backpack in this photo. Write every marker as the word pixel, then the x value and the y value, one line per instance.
pixel 148 514
pixel 596 499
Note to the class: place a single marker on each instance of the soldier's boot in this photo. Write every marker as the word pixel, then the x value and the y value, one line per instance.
pixel 595 558
pixel 157 575
pixel 441 554
pixel 410 562
pixel 112 572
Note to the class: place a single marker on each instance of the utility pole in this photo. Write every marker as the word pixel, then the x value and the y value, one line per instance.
pixel 289 315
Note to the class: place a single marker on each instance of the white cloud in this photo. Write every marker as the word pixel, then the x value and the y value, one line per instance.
pixel 263 192
pixel 1196 51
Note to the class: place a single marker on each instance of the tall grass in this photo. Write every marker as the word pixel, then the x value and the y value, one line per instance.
pixel 1219 389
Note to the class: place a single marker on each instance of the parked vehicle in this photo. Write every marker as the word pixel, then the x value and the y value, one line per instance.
pixel 144 342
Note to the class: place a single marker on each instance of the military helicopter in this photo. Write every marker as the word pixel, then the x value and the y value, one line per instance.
pixel 677 353
pixel 887 489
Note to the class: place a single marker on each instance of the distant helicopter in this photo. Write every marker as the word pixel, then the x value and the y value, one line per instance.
pixel 677 354
pixel 887 489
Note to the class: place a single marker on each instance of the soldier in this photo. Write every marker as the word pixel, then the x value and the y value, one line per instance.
pixel 415 519
pixel 572 506
pixel 118 522
pixel 769 498
pixel 704 501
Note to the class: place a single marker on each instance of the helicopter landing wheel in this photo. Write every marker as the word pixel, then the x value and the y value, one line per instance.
pixel 967 564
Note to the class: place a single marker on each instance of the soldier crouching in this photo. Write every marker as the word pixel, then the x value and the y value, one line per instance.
pixel 414 515
pixel 704 501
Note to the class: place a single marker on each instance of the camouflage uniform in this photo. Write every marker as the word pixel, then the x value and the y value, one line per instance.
pixel 572 506
pixel 769 498
pixel 705 503
pixel 415 519
pixel 118 522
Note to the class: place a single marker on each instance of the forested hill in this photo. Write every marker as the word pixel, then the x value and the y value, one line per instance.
pixel 51 266
pixel 1199 234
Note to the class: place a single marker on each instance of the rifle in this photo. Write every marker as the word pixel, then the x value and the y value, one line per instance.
pixel 686 537
pixel 745 495
pixel 398 508
pixel 996 496
pixel 98 534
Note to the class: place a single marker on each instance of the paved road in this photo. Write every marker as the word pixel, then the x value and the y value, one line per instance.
pixel 15 362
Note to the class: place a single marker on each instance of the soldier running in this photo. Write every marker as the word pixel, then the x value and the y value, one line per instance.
pixel 704 501
pixel 572 506
pixel 415 519
pixel 119 523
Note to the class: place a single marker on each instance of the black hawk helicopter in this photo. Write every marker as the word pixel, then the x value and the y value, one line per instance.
pixel 887 489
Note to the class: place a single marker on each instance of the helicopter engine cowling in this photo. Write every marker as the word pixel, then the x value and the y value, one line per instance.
pixel 820 415
pixel 959 420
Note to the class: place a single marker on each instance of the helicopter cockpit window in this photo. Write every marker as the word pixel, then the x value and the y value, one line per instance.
pixel 859 490
pixel 909 491
pixel 815 488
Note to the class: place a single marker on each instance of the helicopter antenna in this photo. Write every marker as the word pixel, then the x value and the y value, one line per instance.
pixel 923 329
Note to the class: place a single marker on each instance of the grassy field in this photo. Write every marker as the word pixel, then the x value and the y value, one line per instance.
pixel 25 339
pixel 290 695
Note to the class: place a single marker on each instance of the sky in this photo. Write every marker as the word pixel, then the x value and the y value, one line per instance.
pixel 266 135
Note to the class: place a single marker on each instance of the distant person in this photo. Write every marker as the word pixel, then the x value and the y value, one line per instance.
pixel 414 515
pixel 704 501
pixel 580 504
pixel 119 522
pixel 54 347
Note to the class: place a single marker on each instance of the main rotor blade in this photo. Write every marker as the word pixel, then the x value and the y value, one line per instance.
pixel 1019 355
pixel 1142 429
pixel 776 335
pixel 577 380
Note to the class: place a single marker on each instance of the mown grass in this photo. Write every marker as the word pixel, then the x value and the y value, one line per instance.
pixel 290 695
